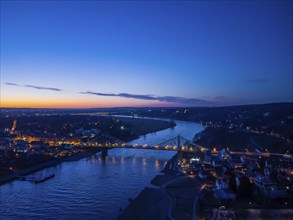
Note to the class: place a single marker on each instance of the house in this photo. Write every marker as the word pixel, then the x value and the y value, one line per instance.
pixel 268 188
pixel 221 184
pixel 21 146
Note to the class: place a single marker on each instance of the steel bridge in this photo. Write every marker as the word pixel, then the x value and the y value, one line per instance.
pixel 178 143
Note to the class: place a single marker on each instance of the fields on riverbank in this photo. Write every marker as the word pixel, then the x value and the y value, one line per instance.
pixel 140 126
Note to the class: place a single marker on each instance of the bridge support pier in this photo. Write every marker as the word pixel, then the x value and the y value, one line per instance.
pixel 104 152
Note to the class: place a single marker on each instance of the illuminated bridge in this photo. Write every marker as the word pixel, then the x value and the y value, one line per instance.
pixel 178 143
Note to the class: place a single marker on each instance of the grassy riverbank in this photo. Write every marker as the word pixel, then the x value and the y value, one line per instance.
pixel 141 126
pixel 240 140
pixel 151 203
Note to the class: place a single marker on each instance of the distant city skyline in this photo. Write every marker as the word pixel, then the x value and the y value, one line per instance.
pixel 87 54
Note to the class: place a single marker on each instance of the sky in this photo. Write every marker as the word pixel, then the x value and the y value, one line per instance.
pixel 87 54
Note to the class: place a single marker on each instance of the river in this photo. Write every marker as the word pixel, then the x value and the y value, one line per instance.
pixel 91 188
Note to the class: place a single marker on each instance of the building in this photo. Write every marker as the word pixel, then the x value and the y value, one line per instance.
pixel 268 188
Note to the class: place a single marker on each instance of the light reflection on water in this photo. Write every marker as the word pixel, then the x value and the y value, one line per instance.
pixel 157 164
pixel 92 188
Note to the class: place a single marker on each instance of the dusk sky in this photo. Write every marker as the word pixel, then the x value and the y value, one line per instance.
pixel 157 53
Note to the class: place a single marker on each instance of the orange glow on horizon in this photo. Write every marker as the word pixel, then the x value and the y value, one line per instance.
pixel 76 104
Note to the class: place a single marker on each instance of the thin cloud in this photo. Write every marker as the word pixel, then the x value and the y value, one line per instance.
pixel 173 99
pixel 43 88
pixel 124 95
pixel 220 97
pixel 257 80
pixel 134 96
pixel 182 100
pixel 11 84
pixel 34 87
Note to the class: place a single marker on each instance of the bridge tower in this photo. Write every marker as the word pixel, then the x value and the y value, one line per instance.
pixel 178 140
pixel 179 153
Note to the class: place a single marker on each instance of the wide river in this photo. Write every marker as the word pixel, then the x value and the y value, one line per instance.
pixel 91 188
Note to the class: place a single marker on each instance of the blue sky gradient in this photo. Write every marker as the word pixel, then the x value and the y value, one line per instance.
pixel 222 53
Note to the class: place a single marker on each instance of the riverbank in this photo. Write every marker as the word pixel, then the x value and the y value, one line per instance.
pixel 151 203
pixel 142 126
pixel 174 198
pixel 240 140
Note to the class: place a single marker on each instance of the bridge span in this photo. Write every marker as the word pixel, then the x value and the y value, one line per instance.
pixel 178 143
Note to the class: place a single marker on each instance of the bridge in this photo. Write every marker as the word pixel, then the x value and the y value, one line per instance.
pixel 178 143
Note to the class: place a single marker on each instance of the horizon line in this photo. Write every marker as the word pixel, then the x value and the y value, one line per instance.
pixel 119 107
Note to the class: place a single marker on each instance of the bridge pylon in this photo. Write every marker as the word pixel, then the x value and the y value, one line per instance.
pixel 104 152
pixel 178 140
